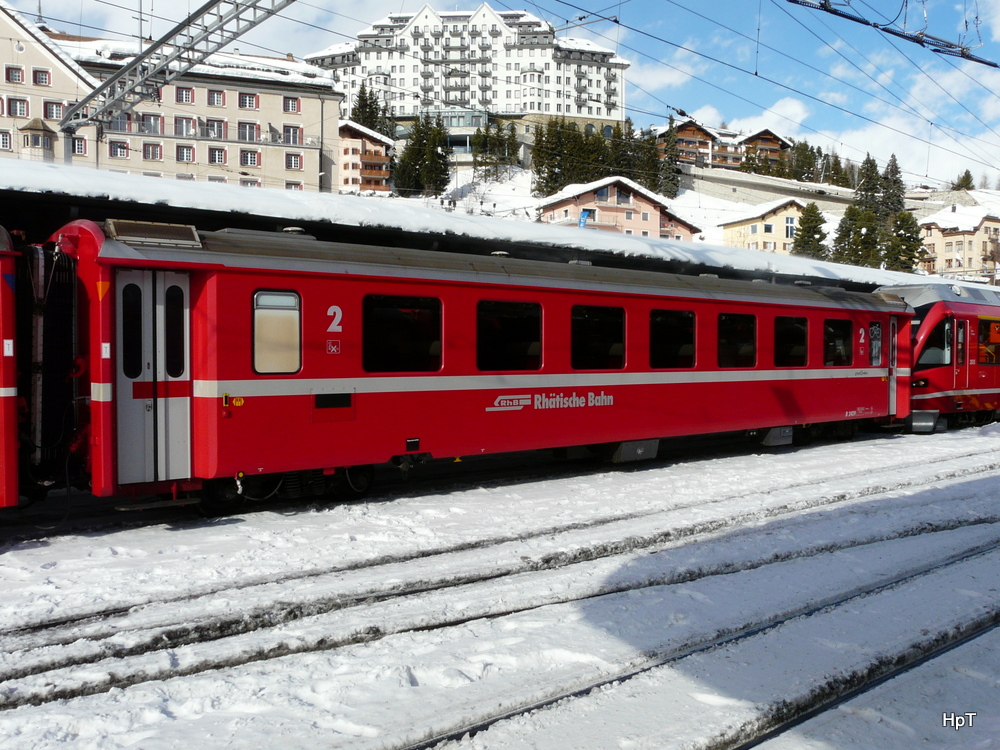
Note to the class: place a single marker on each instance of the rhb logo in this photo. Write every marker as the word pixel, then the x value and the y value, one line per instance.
pixel 509 403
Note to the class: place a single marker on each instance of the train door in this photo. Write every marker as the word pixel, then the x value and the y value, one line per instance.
pixel 153 379
pixel 961 354
pixel 893 353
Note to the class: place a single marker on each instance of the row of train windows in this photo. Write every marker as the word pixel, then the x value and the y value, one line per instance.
pixel 403 334
pixel 938 349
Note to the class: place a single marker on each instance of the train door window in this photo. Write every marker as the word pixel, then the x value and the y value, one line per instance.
pixel 671 339
pixel 790 341
pixel 277 326
pixel 989 342
pixel 508 335
pixel 597 338
pixel 174 331
pixel 960 337
pixel 837 343
pixel 400 334
pixel 737 340
pixel 937 346
pixel 874 344
pixel 131 331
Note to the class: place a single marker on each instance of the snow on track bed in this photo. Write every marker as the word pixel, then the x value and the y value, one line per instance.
pixel 579 604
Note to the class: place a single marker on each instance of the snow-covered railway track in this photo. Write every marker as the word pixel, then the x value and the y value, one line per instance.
pixel 632 529
pixel 788 710
pixel 160 640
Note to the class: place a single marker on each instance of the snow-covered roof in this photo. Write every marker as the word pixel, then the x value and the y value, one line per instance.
pixel 572 191
pixel 748 136
pixel 340 48
pixel 43 39
pixel 574 44
pixel 763 209
pixel 374 135
pixel 959 218
pixel 118 52
pixel 410 216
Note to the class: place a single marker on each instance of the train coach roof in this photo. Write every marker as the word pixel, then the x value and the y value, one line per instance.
pixel 238 248
pixel 918 295
pixel 404 223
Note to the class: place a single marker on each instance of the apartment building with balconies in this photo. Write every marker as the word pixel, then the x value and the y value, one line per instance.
pixel 480 66
pixel 242 119
pixel 703 146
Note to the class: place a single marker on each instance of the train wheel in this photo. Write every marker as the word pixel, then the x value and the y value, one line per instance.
pixel 357 481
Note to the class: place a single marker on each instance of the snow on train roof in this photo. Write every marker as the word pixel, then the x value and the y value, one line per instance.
pixel 412 216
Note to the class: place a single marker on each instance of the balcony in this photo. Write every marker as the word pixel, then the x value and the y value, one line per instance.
pixel 381 173
pixel 370 157
pixel 416 32
pixel 485 85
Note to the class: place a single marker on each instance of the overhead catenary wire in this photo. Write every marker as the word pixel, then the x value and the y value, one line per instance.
pixel 637 110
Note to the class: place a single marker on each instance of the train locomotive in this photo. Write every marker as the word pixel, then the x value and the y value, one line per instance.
pixel 144 359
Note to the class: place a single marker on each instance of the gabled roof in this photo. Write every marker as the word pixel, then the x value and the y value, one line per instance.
pixel 765 209
pixel 960 218
pixel 367 132
pixel 573 191
pixel 745 138
pixel 39 35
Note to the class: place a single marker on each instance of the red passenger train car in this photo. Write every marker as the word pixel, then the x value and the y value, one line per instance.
pixel 237 362
pixel 956 345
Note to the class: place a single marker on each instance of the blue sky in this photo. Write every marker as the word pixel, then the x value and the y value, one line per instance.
pixel 744 64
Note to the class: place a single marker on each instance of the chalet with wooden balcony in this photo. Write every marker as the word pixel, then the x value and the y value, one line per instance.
pixel 703 146
pixel 364 160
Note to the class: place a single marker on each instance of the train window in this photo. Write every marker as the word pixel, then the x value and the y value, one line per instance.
pixel 401 334
pixel 874 344
pixel 173 325
pixel 277 326
pixel 937 346
pixel 737 340
pixel 131 331
pixel 837 343
pixel 597 337
pixel 508 335
pixel 989 342
pixel 790 341
pixel 960 342
pixel 671 339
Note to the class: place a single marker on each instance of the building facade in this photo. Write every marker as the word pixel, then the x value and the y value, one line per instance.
pixel 365 159
pixel 242 119
pixel 703 146
pixel 616 204
pixel 477 65
pixel 961 241
pixel 770 227
pixel 38 79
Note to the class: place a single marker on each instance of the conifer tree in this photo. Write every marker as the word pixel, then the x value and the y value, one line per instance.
pixel 964 182
pixel 893 190
pixel 810 235
pixel 868 190
pixel 857 240
pixel 902 242
pixel 669 176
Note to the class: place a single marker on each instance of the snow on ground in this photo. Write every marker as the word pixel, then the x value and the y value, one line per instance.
pixel 706 545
